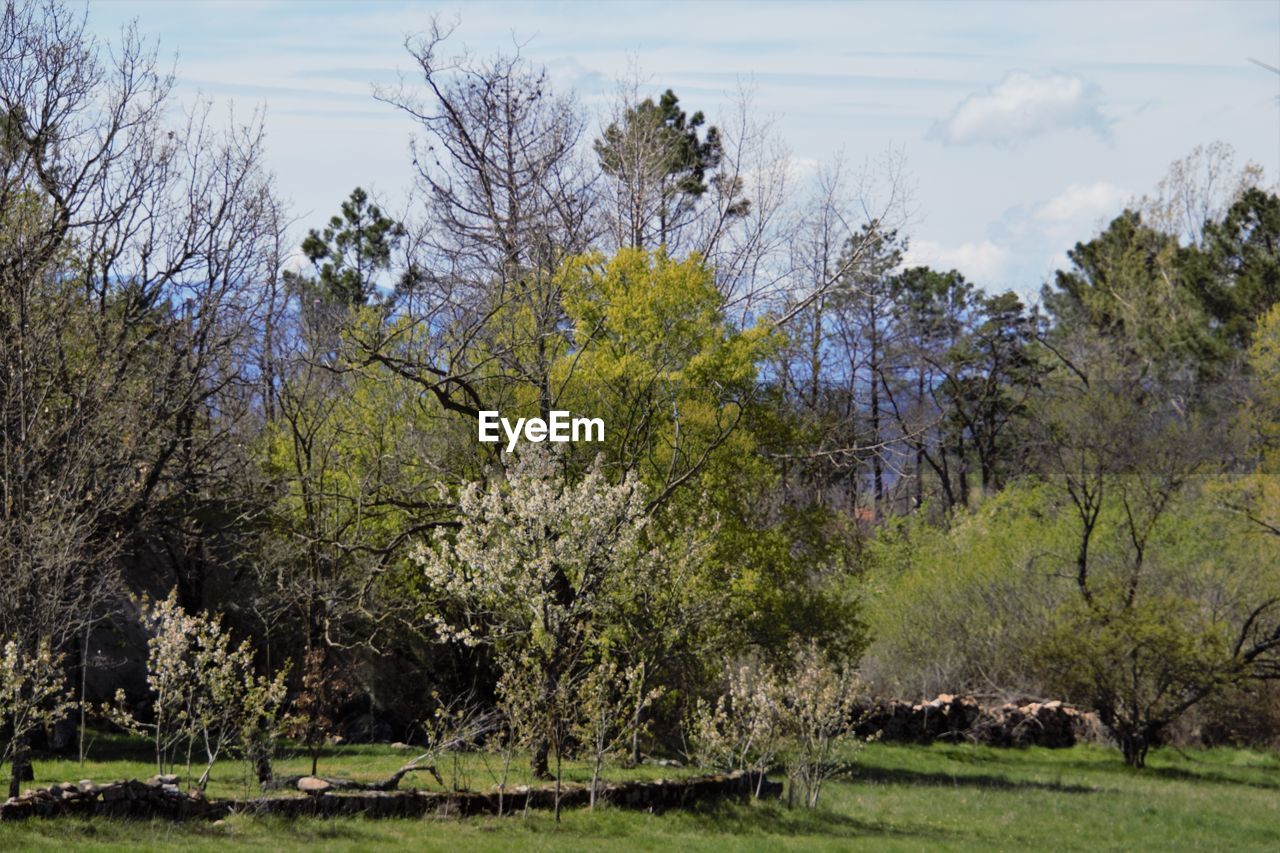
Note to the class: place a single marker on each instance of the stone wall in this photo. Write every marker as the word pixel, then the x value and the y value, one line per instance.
pixel 160 797
pixel 963 718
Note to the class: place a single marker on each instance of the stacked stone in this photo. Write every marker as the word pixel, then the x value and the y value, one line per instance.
pixel 161 797
pixel 947 717
pixel 157 797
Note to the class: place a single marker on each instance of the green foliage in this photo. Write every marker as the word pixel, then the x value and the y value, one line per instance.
pixel 652 349
pixel 1125 284
pixel 955 609
pixel 352 250
pixel 993 603
pixel 668 139
pixel 677 382
pixel 1198 302
pixel 1235 273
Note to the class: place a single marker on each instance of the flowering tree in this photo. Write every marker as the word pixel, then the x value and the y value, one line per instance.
pixel 534 573
pixel 820 699
pixel 612 699
pixel 804 711
pixel 205 691
pixel 742 729
pixel 32 697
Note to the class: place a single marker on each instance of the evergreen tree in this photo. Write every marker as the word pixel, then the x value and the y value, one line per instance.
pixel 351 251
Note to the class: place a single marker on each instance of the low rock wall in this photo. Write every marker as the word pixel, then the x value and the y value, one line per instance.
pixel 160 797
pixel 956 718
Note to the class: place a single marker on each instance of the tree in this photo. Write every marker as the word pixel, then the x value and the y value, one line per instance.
pixel 532 573
pixel 1197 190
pixel 650 345
pixel 1234 272
pixel 354 248
pixel 819 699
pixel 804 708
pixel 935 310
pixel 743 728
pixel 612 703
pixel 32 697
pixel 506 203
pixel 1125 284
pixel 130 247
pixel 205 691
pixel 1147 635
pixel 987 377
pixel 323 688
pixel 659 162
pixel 863 304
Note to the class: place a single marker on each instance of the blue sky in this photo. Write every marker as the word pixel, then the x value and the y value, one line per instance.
pixel 1024 125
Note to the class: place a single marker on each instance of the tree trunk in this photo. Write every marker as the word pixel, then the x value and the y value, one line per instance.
pixel 595 775
pixel 1134 746
pixel 877 463
pixel 557 785
pixel 920 446
pixel 84 684
pixel 21 770
pixel 541 753
pixel 262 765
pixel 636 718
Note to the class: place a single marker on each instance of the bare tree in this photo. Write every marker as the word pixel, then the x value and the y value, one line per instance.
pixel 126 266
pixel 1198 189
pixel 506 201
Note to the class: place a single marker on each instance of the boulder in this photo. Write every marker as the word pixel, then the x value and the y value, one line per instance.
pixel 313 785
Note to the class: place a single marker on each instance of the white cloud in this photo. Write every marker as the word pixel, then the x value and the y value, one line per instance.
pixel 980 262
pixel 1024 105
pixel 1083 202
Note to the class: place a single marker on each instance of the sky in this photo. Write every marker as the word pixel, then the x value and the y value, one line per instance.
pixel 1024 126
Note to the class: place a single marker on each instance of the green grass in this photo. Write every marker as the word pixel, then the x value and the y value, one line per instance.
pixel 897 798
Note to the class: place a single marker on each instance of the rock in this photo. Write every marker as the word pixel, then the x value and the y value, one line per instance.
pixel 312 785
pixel 87 786
pixel 401 745
pixel 163 779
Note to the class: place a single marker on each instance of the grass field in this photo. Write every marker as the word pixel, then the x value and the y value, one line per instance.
pixel 899 798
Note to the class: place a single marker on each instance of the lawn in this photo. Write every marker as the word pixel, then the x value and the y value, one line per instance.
pixel 897 798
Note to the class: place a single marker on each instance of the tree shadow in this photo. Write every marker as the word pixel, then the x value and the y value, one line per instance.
pixel 899 776
pixel 103 747
pixel 1200 771
pixel 1214 777
pixel 773 818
